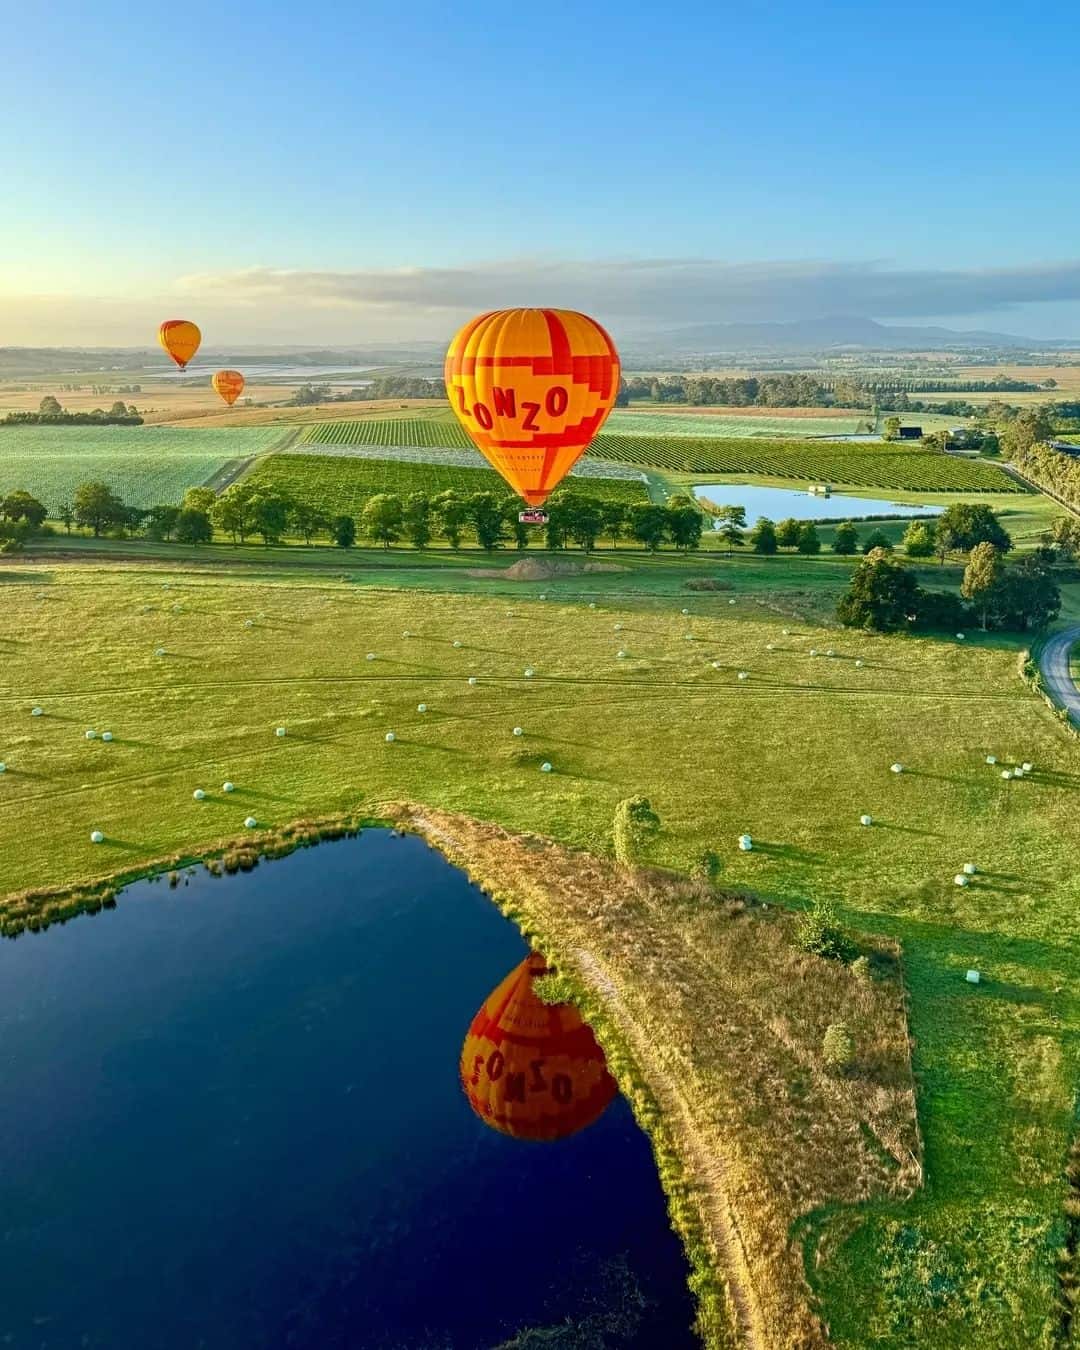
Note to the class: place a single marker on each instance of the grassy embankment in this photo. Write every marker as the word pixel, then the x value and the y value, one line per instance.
pixel 793 755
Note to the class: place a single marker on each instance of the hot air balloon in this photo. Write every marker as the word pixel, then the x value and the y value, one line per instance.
pixel 531 1069
pixel 181 339
pixel 532 387
pixel 229 384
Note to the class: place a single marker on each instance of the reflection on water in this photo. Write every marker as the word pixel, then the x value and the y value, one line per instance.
pixel 232 1118
pixel 785 503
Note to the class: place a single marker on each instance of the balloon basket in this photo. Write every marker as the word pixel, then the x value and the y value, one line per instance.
pixel 532 516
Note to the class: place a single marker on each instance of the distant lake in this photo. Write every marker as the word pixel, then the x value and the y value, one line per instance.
pixel 784 503
pixel 255 373
pixel 232 1120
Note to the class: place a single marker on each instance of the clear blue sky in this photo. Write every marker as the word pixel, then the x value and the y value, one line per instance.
pixel 167 141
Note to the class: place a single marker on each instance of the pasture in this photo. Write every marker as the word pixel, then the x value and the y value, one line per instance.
pixel 793 756
pixel 144 466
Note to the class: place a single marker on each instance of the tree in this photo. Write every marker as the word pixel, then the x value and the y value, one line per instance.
pixel 877 539
pixel 50 406
pixel 511 510
pixel 65 513
pixel 635 824
pixel 648 524
pixel 892 428
pixel 763 536
pixel 1029 427
pixel 20 505
pixel 940 611
pixel 919 539
pixel 982 577
pixel 382 518
pixel 881 596
pixel 193 527
pixel 306 520
pixel 787 532
pixel 452 514
pixel 1063 537
pixel 965 524
pixel 161 521
pixel 486 517
pixel 118 409
pixel 234 511
pixel 809 539
pixel 343 528
pixel 1027 597
pixel 97 506
pixel 199 499
pixel 818 932
pixel 416 519
pixel 581 517
pixel 845 539
pixel 613 515
pixel 269 515
pixel 684 525
pixel 838 1046
pixel 730 524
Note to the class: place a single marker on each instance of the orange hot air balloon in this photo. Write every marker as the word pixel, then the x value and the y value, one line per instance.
pixel 229 384
pixel 181 339
pixel 530 1069
pixel 532 387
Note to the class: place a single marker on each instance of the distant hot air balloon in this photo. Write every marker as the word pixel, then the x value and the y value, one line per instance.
pixel 532 387
pixel 531 1069
pixel 181 339
pixel 229 384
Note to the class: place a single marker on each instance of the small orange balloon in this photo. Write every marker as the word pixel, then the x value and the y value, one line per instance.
pixel 229 384
pixel 181 339
pixel 532 387
pixel 530 1069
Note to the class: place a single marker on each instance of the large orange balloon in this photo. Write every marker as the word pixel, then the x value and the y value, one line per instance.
pixel 181 339
pixel 530 1069
pixel 532 387
pixel 229 384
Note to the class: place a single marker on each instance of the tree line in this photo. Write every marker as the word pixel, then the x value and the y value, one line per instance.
pixel 50 413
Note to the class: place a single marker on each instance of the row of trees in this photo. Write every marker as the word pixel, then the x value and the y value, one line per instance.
pixel 1055 470
pixel 884 595
pixel 50 413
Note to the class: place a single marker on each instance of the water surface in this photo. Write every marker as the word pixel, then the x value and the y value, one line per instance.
pixel 231 1118
pixel 786 503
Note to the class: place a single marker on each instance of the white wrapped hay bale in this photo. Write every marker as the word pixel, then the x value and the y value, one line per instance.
pixel 472 679
pixel 36 712
pixel 746 844
pixel 529 672
pixel 1027 766
pixel 1006 774
pixel 991 759
pixel 972 977
pixel 96 837
pixel 866 820
pixel 858 665
pixel 106 735
pixel 199 795
pixel 896 768
pixel 620 655
pixel 969 869
pixel 91 735
pixel 744 675
pixel 228 787
pixel 280 732
pixel 250 823
pixel 421 707
pixel 545 767
pixel 390 738
pixel 456 643
pixel 370 656
pixel 960 879
pixel 519 731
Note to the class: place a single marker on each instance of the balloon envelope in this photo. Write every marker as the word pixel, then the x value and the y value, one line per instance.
pixel 532 387
pixel 531 1069
pixel 229 384
pixel 181 339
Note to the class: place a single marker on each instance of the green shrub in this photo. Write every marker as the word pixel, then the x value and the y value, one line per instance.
pixel 820 934
pixel 838 1047
pixel 635 824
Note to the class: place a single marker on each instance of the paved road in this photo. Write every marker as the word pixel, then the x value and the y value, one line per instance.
pixel 1054 663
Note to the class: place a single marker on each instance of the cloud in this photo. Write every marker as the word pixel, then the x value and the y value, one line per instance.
pixel 651 292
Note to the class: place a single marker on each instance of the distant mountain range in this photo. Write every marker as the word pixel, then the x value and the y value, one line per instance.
pixel 836 331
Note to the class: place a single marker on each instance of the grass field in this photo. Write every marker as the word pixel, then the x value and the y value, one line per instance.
pixel 341 484
pixel 793 755
pixel 757 422
pixel 144 466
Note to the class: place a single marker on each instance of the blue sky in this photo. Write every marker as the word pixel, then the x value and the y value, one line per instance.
pixel 269 162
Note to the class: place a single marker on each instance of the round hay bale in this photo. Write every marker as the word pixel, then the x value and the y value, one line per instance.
pixel 250 823
pixel 959 637
pixel 960 879
pixel 991 759
pixel 618 628
pixel 972 977
pixel 768 646
pixel 228 787
pixel 280 731
pixel 199 795
pixel 716 665
pixel 866 820
pixel 858 665
pixel 545 767
pixel 688 637
pixel 35 712
pixel 91 735
pixel 164 585
pixel 543 597
pixel 406 634
pixel 896 768
pixel 518 731
pixel 472 679
pixel 686 611
pixel 529 672
pixel 830 652
pixel 249 623
pixel 3 767
pixel 731 602
pixel 786 632
pixel 106 735
pixel 1027 766
pixel 390 738
pixel 813 651
pixel 159 651
pixel 96 837
pixel 620 655
pixel 969 869
pixel 744 675
pixel 1005 773
pixel 456 643
pixel 746 844
pixel 370 656
pixel 592 605
pixel 421 707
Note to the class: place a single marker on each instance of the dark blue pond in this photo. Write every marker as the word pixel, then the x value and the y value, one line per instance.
pixel 230 1117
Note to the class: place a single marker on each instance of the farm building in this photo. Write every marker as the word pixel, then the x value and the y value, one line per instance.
pixel 911 433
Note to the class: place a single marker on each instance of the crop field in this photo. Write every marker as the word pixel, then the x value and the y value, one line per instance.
pixel 341 484
pixel 144 466
pixel 729 424
pixel 856 463
pixel 792 755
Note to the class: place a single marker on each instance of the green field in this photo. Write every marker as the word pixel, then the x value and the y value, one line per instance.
pixel 793 755
pixel 144 466
pixel 629 423
pixel 341 484
pixel 856 463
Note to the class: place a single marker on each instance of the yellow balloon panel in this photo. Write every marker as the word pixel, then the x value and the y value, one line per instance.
pixel 180 338
pixel 229 384
pixel 532 387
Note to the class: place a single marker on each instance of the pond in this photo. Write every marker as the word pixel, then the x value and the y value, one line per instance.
pixel 784 503
pixel 232 1118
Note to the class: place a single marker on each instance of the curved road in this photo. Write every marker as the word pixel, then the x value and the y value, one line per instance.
pixel 1054 664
